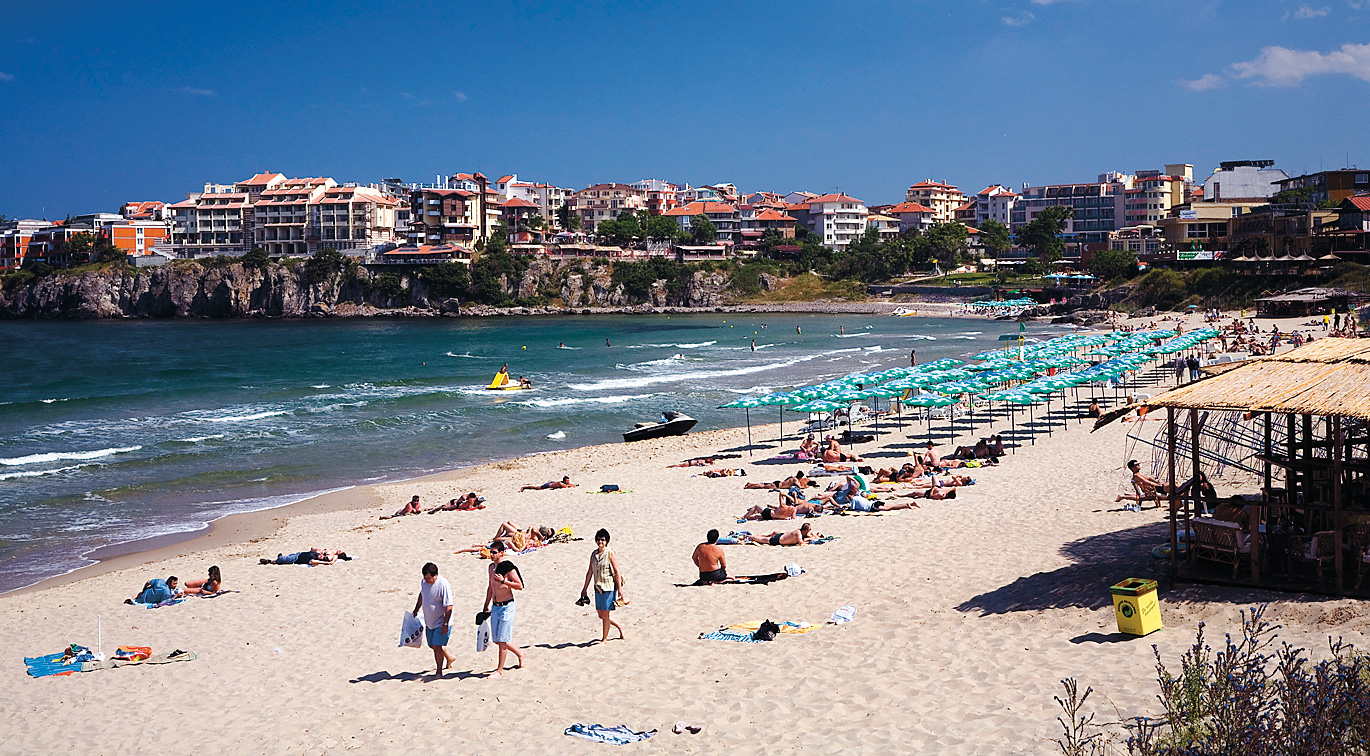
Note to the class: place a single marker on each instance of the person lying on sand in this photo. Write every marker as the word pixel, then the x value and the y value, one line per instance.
pixel 314 556
pixel 210 586
pixel 465 503
pixel 565 482
pixel 936 492
pixel 839 495
pixel 782 511
pixel 156 591
pixel 709 560
pixel 696 462
pixel 798 479
pixel 834 453
pixel 412 508
pixel 725 472
pixel 788 538
pixel 514 538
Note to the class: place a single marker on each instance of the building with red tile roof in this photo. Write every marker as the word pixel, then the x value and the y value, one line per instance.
pixel 600 202
pixel 942 198
pixel 837 219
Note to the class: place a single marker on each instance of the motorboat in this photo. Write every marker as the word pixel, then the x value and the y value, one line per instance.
pixel 671 424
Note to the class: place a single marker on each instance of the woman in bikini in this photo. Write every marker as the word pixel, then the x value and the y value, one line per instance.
pixel 209 587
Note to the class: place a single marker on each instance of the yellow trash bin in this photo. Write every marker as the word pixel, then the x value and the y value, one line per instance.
pixel 1135 604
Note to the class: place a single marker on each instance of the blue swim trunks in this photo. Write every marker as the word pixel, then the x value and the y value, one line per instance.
pixel 502 623
pixel 604 600
pixel 438 636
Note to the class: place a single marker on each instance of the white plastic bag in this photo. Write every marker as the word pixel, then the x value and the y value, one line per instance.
pixel 411 632
pixel 843 615
pixel 483 636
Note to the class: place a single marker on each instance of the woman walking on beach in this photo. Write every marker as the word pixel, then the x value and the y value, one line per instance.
pixel 608 580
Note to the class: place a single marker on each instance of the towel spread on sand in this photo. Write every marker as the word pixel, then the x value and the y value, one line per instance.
pixel 52 664
pixel 742 632
pixel 158 605
pixel 616 735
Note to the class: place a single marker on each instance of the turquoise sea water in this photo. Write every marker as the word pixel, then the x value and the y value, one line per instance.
pixel 114 431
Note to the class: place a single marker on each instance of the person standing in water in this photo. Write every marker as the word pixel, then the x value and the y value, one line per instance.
pixel 606 342
pixel 753 345
pixel 797 331
pixel 913 358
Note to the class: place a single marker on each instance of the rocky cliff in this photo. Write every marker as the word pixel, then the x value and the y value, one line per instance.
pixel 187 289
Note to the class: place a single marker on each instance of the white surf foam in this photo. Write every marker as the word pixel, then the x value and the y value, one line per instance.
pixel 36 459
pixel 647 380
pixel 246 418
pixel 567 400
pixel 38 473
pixel 559 435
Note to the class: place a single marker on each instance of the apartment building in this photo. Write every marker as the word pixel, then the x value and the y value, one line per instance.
pixel 518 213
pixel 1330 186
pixel 600 202
pixel 967 214
pixel 1243 180
pixel 660 195
pixel 1098 207
pixel 15 236
pixel 942 198
pixel 1151 198
pixel 490 197
pixel 886 226
pixel 912 216
pixel 548 199
pixel 994 203
pixel 352 218
pixel 837 219
pixel 445 216
pixel 148 210
pixel 725 217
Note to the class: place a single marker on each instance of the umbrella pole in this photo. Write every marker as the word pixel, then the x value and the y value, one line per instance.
pixel 1032 432
pixel 1013 426
pixel 782 426
pixel 749 431
pixel 876 401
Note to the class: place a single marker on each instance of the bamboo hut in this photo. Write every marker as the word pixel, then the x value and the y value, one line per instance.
pixel 1306 418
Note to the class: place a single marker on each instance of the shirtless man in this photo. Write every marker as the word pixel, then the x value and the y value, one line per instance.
pixel 465 502
pixel 834 453
pixel 808 449
pixel 791 538
pixel 505 578
pixel 798 479
pixel 412 508
pixel 565 482
pixel 782 511
pixel 710 561
pixel 1145 482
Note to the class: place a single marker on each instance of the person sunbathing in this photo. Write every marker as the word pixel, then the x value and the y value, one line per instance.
pixel 785 510
pixel 726 472
pixel 412 508
pixel 798 479
pixel 834 453
pixel 788 538
pixel 209 587
pixel 565 482
pixel 696 462
pixel 1147 486
pixel 840 495
pixel 156 591
pixel 465 503
pixel 936 492
pixel 514 539
pixel 314 556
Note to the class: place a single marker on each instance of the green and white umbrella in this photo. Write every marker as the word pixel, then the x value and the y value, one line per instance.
pixel 746 402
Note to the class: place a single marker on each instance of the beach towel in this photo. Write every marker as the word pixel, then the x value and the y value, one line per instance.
pixel 158 605
pixel 727 636
pixel 734 538
pixel 51 664
pixel 742 632
pixel 616 735
pixel 133 653
pixel 616 490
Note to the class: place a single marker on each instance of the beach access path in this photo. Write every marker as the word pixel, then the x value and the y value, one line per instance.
pixel 969 612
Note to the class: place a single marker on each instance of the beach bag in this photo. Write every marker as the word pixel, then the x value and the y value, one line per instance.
pixel 608 488
pixel 766 632
pixel 411 632
pixel 483 635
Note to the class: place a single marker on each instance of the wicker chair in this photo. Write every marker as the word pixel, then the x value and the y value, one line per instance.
pixel 1219 542
pixel 1360 545
pixel 1321 548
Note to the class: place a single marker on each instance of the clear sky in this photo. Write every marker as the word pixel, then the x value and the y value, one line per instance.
pixel 112 102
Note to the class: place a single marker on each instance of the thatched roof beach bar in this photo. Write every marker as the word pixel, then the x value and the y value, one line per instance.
pixel 1301 421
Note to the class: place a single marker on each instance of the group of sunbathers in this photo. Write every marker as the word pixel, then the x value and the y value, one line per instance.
pixel 466 503
pixel 514 538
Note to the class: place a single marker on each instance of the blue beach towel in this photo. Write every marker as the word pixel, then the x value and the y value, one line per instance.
pixel 617 735
pixel 723 635
pixel 158 605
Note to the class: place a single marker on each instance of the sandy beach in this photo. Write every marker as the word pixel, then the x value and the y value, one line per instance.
pixel 969 612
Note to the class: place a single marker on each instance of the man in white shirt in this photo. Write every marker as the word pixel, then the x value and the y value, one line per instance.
pixel 435 597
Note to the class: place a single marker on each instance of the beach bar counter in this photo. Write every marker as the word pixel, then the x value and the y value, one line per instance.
pixel 1295 429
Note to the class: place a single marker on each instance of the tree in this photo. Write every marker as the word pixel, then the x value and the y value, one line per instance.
pixel 995 236
pixel 323 265
pixel 536 221
pixel 1042 235
pixel 446 280
pixel 568 218
pixel 626 229
pixel 703 230
pixel 498 241
pixel 1109 264
pixel 78 247
pixel 662 228
pixel 256 258
pixel 103 250
pixel 948 242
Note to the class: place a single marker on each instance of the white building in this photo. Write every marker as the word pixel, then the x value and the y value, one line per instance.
pixel 549 199
pixel 1239 180
pixel 912 216
pixel 994 203
pixel 838 219
pixel 942 198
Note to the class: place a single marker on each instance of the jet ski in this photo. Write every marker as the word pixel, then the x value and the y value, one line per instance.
pixel 671 424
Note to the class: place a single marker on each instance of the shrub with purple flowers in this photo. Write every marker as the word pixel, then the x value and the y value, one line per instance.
pixel 1251 698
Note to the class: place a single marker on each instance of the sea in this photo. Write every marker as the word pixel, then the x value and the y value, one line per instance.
pixel 112 432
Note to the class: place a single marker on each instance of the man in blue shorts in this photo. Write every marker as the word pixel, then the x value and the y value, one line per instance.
pixel 505 578
pixel 435 597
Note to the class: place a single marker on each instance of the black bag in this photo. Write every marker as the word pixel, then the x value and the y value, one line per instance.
pixel 481 617
pixel 766 632
pixel 608 488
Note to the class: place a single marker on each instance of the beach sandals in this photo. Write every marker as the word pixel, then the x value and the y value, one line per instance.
pixel 681 727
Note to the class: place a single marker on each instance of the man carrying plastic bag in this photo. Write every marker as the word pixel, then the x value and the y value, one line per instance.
pixel 435 598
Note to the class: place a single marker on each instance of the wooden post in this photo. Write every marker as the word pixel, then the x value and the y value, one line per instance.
pixel 1336 438
pixel 1170 457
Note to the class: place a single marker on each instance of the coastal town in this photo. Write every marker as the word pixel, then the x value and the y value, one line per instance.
pixel 1246 213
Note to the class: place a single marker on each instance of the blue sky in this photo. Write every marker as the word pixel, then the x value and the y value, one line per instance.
pixel 107 103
